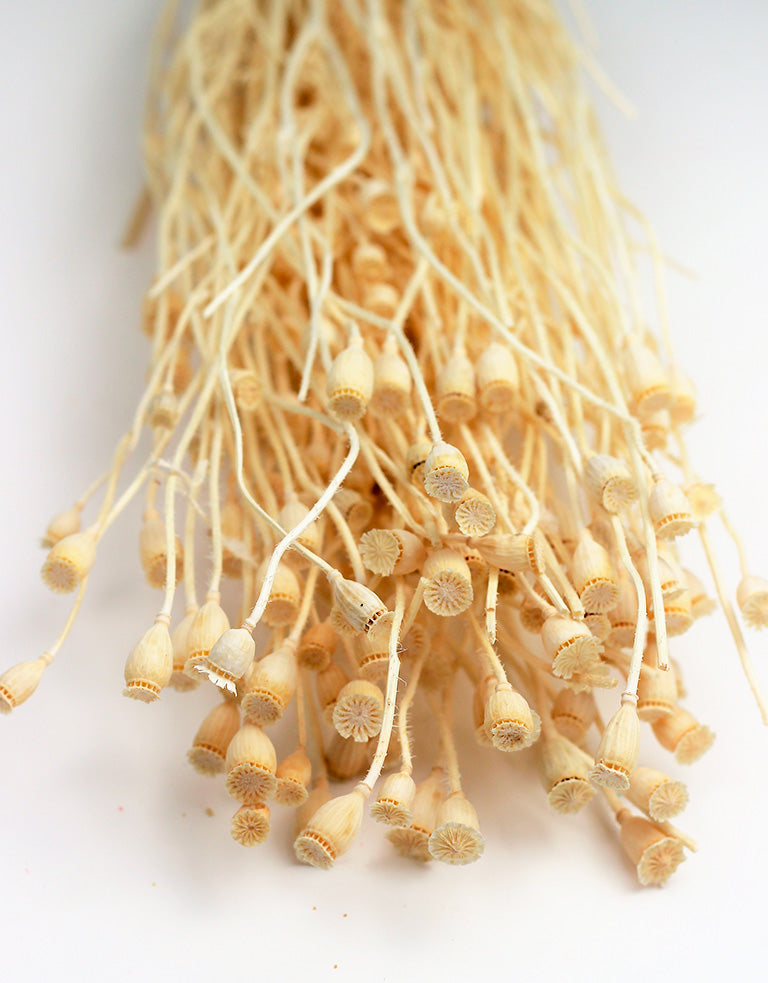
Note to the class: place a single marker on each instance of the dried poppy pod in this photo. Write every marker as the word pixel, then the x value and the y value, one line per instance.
pixel 682 408
pixel 372 657
pixel 69 562
pixel 229 658
pixel 19 682
pixel 379 207
pixel 703 499
pixel 391 552
pixel 752 598
pixel 623 617
pixel 413 840
pixel 570 645
pixel 180 641
pixel 149 667
pixel 509 720
pixel 647 383
pixel 152 550
pixel 565 770
pixel 617 753
pixel 293 776
pixel 654 429
pixel 317 646
pixel 358 605
pixel 394 803
pixel 669 508
pixel 599 625
pixel 209 747
pixel 594 576
pixel 677 615
pixel 251 764
pixel 329 682
pixel 355 509
pixel 656 693
pixel 66 523
pixel 207 627
pixel 318 794
pixel 456 838
pixel 655 854
pixel 369 261
pixel 475 514
pixel 680 733
pixel 448 589
pixel 659 796
pixel 284 595
pixel 513 551
pixel 391 382
pixel 250 824
pixel 416 460
pixel 290 515
pixel 497 378
pixel 350 382
pixel 381 299
pixel 573 714
pixel 271 685
pixel 532 617
pixel 445 473
pixel 455 389
pixel 701 603
pixel 358 710
pixel 480 694
pixel 246 389
pixel 332 829
pixel 346 759
pixel 610 482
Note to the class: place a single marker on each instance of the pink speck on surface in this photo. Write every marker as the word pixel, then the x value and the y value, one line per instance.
pixel 26 870
pixel 119 808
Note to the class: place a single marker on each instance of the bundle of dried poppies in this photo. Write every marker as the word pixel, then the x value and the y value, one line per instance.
pixel 401 375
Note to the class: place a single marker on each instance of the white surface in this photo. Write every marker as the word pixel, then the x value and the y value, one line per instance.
pixel 111 867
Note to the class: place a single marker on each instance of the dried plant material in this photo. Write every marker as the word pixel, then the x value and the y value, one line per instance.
pixel 400 376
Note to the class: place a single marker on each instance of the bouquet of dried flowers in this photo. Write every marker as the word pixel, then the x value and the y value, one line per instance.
pixel 400 372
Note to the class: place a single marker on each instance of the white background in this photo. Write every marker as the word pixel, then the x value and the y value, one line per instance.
pixel 111 867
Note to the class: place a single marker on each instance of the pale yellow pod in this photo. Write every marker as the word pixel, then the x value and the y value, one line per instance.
pixel 680 733
pixel 284 595
pixel 669 508
pixel 573 713
pixel 682 409
pixel 209 747
pixel 381 299
pixel 317 646
pixel 599 625
pixel 448 590
pixel 703 499
pixel 475 514
pixel 391 552
pixel 66 523
pixel 229 658
pixel 623 616
pixel 647 383
pixel 752 598
pixel 392 383
pixel 69 562
pixel 332 829
pixel 149 667
pixel 413 841
pixel 152 550
pixel 565 771
pixel 350 382
pixel 246 389
pixel 455 389
pixel 271 685
pixel 677 614
pixel 289 516
pixel 497 378
pixel 369 262
pixel 354 507
pixel 180 641
pixel 416 460
pixel 250 824
pixel 394 803
pixel 19 682
pixel 232 523
pixel 594 576
pixel 570 645
pixel 701 603
pixel 617 753
pixel 379 207
pixel 610 482
pixel 329 683
pixel 656 693
pixel 513 551
pixel 659 796
pixel 358 710
pixel 293 776
pixel 532 617
pixel 339 623
pixel 445 473
pixel 456 839
pixel 347 759
pixel 357 604
pixel 509 720
pixel 208 625
pixel 654 429
pixel 318 794
pixel 251 764
pixel 372 657
pixel 655 854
